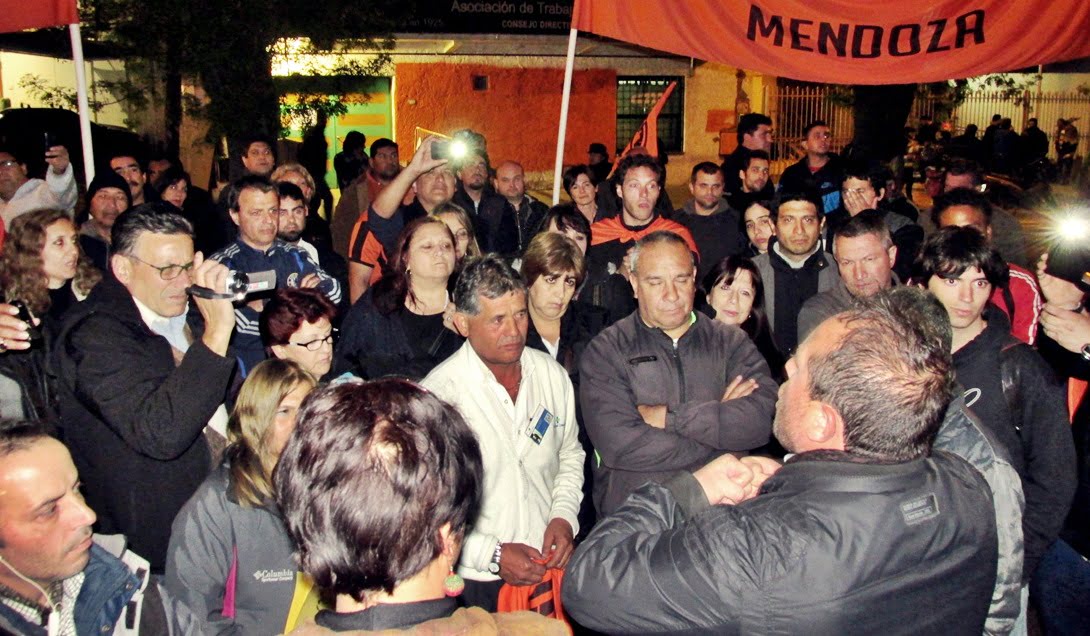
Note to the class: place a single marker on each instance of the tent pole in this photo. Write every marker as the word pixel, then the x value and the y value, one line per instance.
pixel 84 111
pixel 569 66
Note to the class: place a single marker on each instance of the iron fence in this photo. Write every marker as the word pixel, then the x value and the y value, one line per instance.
pixel 795 106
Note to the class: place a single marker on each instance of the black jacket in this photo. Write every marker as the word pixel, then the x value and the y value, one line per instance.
pixel 506 231
pixel 830 546
pixel 132 419
pixel 1070 365
pixel 825 182
pixel 630 364
pixel 374 344
pixel 1018 398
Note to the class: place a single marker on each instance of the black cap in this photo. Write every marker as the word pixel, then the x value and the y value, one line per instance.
pixel 1071 262
pixel 599 148
pixel 108 179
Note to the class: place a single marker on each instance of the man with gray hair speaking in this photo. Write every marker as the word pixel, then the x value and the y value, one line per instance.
pixel 521 405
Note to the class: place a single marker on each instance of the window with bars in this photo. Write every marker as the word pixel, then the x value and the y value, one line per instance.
pixel 636 96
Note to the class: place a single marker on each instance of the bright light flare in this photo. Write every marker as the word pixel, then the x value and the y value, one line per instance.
pixel 1073 228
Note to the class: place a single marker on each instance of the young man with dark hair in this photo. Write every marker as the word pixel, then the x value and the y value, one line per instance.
pixel 1009 236
pixel 1006 382
pixel 134 172
pixel 357 196
pixel 754 133
pixel 638 186
pixel 754 177
pixel 795 267
pixel 1020 300
pixel 820 170
pixel 714 224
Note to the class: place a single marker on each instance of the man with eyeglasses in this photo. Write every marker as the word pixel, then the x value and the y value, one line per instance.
pixel 820 170
pixel 254 204
pixel 20 194
pixel 142 376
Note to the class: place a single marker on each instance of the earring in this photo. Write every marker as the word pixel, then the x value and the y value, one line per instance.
pixel 454 583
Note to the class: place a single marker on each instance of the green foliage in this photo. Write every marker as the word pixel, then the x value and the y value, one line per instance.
pixel 103 93
pixel 228 46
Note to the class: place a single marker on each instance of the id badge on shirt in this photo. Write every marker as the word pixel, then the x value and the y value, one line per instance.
pixel 540 423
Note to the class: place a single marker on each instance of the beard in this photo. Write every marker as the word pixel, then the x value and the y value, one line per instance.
pixel 290 237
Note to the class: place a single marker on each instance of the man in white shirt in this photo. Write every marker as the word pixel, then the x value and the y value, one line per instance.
pixel 521 405
pixel 20 194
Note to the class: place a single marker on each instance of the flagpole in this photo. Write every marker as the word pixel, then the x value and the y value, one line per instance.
pixel 569 67
pixel 81 98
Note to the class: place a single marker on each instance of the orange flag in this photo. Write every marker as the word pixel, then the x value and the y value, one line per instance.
pixel 648 134
pixel 17 15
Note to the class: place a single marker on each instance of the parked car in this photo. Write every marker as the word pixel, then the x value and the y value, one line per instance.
pixel 25 129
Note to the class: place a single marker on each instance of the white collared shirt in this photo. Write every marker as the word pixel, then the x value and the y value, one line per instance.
pixel 173 329
pixel 526 484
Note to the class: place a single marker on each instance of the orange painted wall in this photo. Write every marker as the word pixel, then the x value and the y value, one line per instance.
pixel 518 114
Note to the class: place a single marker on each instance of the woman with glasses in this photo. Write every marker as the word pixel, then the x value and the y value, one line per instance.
pixel 297 325
pixel 230 558
pixel 400 326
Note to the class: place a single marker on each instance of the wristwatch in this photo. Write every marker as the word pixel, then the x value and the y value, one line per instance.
pixel 1086 352
pixel 494 564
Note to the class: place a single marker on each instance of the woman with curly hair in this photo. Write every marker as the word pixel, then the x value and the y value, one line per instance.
pixel 42 265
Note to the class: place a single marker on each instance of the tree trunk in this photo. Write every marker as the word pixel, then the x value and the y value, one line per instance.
pixel 880 115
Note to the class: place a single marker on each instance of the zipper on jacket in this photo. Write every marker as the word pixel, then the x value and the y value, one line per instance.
pixel 680 373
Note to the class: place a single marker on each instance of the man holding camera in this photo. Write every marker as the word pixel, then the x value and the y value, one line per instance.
pixel 254 204
pixel 141 375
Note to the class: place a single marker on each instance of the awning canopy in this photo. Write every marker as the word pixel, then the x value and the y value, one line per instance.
pixel 851 41
pixel 17 15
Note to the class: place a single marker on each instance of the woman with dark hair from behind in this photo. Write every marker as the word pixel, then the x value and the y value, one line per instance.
pixel 735 296
pixel 297 324
pixel 377 486
pixel 400 326
pixel 230 559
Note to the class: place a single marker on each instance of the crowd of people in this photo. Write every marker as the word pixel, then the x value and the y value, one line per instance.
pixel 794 407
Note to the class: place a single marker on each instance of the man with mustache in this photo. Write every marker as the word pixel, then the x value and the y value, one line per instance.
pixel 521 405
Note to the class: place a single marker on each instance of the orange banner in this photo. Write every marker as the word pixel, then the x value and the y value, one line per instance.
pixel 647 136
pixel 851 41
pixel 17 15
